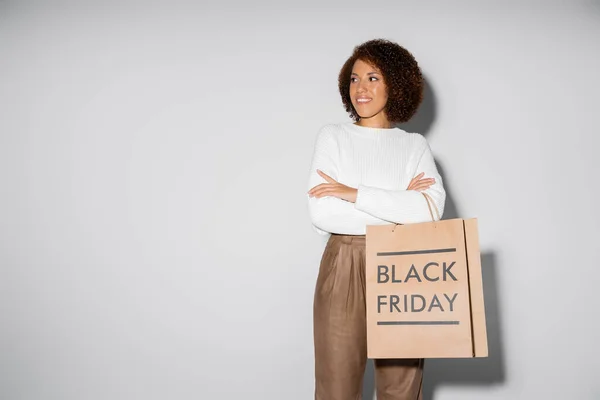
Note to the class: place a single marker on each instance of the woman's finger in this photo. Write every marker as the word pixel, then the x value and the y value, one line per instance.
pixel 414 185
pixel 326 177
pixel 423 182
pixel 325 192
pixel 319 186
pixel 323 189
pixel 421 187
pixel 428 181
pixel 416 178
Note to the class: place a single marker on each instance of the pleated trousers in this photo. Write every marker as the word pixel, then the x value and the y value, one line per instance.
pixel 340 334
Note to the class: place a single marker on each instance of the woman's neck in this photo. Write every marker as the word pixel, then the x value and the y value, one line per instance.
pixel 378 122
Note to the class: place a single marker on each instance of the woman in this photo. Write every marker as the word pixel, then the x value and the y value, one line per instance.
pixel 366 173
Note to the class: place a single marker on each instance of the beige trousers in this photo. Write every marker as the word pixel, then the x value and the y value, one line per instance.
pixel 340 335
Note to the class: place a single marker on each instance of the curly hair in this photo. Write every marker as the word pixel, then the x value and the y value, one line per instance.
pixel 401 75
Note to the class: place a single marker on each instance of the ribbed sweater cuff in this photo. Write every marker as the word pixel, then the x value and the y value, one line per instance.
pixel 364 198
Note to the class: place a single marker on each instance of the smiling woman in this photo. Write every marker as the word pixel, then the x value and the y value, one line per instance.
pixel 387 75
pixel 368 92
pixel 366 172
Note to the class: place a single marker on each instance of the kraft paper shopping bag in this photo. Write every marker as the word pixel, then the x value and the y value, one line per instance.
pixel 424 291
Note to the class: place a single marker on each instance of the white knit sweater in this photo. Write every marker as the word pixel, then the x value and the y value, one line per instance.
pixel 380 163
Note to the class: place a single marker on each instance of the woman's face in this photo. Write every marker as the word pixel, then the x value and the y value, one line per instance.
pixel 368 92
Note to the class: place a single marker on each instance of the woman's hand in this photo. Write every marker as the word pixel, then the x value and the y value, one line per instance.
pixel 333 188
pixel 420 184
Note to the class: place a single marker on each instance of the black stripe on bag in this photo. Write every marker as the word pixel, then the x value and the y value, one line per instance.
pixel 406 253
pixel 418 322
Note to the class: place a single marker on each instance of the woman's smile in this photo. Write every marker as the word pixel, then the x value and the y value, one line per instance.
pixel 368 94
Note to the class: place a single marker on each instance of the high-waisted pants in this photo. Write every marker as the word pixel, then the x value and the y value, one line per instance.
pixel 340 335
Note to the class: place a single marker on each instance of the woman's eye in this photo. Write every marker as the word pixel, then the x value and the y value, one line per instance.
pixel 353 79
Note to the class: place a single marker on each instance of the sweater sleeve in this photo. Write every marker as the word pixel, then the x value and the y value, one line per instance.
pixel 330 214
pixel 405 206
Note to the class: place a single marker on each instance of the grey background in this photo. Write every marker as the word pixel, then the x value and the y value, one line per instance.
pixel 154 236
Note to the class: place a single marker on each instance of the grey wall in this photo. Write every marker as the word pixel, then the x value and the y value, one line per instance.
pixel 154 236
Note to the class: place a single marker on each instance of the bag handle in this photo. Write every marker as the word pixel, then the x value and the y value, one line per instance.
pixel 430 202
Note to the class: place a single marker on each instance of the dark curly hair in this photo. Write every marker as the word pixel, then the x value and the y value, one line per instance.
pixel 401 75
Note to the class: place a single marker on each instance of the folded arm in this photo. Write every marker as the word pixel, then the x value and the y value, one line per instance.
pixel 405 206
pixel 329 213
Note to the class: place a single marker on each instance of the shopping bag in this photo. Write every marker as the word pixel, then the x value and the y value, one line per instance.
pixel 424 290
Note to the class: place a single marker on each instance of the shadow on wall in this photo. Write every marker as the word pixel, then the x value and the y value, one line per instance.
pixel 421 122
pixel 476 371
pixel 463 372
